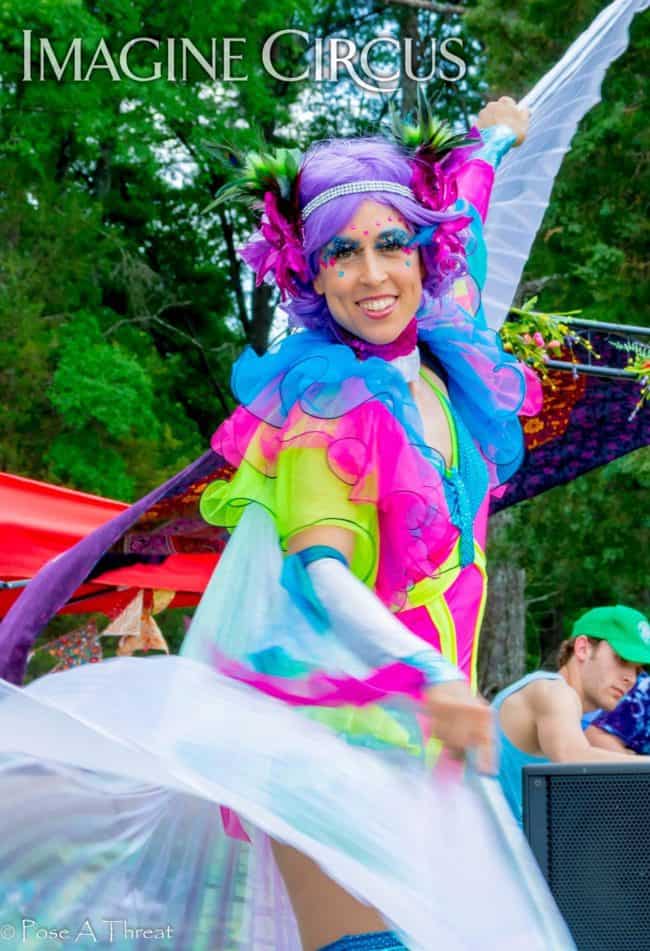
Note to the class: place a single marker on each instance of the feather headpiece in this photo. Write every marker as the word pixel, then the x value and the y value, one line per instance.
pixel 269 181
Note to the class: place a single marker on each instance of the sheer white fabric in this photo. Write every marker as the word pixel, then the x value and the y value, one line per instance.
pixel 111 776
pixel 524 180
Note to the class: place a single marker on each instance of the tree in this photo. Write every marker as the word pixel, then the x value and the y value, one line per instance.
pixel 104 186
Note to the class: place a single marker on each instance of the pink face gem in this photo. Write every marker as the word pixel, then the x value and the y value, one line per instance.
pixel 365 232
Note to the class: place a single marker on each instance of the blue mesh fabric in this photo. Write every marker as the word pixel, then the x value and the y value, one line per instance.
pixel 372 941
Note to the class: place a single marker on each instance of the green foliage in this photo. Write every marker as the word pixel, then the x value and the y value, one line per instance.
pixel 91 462
pixel 122 305
pixel 602 265
pixel 594 235
pixel 80 405
pixel 98 382
pixel 582 544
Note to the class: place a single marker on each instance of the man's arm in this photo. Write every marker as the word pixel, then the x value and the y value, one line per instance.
pixel 557 712
pixel 607 741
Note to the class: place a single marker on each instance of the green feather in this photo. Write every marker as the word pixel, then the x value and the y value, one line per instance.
pixel 426 133
pixel 259 172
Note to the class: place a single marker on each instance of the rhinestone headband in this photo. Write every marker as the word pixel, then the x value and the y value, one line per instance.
pixel 353 188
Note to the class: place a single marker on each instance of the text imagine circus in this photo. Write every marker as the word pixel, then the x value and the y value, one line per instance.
pixel 325 59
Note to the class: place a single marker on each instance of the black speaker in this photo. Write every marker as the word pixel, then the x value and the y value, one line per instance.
pixel 589 829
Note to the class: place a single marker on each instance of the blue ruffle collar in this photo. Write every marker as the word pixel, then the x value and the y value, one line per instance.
pixel 487 386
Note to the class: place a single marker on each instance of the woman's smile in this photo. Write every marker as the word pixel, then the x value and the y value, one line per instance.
pixel 376 308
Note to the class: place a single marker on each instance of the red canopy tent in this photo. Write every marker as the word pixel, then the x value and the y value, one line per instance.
pixel 39 521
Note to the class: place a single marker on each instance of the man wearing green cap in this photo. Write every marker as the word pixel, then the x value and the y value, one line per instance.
pixel 628 726
pixel 539 716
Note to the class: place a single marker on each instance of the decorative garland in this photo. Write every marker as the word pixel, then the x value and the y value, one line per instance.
pixel 535 337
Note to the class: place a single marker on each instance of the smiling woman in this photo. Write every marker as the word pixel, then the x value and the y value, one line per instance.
pixel 344 223
pixel 335 647
pixel 375 470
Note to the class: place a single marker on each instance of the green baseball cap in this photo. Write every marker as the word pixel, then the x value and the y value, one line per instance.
pixel 627 631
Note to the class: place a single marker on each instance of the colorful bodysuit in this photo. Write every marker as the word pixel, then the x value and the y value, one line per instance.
pixel 323 437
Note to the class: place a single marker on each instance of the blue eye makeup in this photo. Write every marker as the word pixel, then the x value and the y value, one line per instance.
pixel 339 248
pixel 423 236
pixel 393 239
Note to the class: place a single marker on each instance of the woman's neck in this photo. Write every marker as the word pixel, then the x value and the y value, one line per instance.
pixel 402 346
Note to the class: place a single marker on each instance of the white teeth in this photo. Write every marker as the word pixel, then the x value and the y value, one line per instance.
pixel 380 304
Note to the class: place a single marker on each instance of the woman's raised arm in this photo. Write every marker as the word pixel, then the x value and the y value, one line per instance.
pixel 503 124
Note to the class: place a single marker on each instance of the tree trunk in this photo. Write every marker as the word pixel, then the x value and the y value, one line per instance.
pixel 262 311
pixel 502 647
pixel 410 29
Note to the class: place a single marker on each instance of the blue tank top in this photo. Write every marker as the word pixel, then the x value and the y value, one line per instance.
pixel 511 759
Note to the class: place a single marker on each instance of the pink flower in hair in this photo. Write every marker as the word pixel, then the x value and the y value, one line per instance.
pixel 434 182
pixel 276 249
pixel 432 186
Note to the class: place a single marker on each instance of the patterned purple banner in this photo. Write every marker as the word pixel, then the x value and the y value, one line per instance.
pixel 584 424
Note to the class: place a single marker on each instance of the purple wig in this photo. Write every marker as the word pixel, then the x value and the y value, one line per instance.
pixel 337 162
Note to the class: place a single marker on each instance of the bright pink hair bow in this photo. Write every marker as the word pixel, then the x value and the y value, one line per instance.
pixel 449 241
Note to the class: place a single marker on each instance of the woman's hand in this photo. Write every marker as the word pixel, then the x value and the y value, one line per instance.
pixel 505 111
pixel 462 722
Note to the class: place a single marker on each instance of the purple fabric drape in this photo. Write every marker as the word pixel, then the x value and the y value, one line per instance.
pixel 56 582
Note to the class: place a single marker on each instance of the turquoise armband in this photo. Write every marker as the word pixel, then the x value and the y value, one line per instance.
pixel 497 139
pixel 295 579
